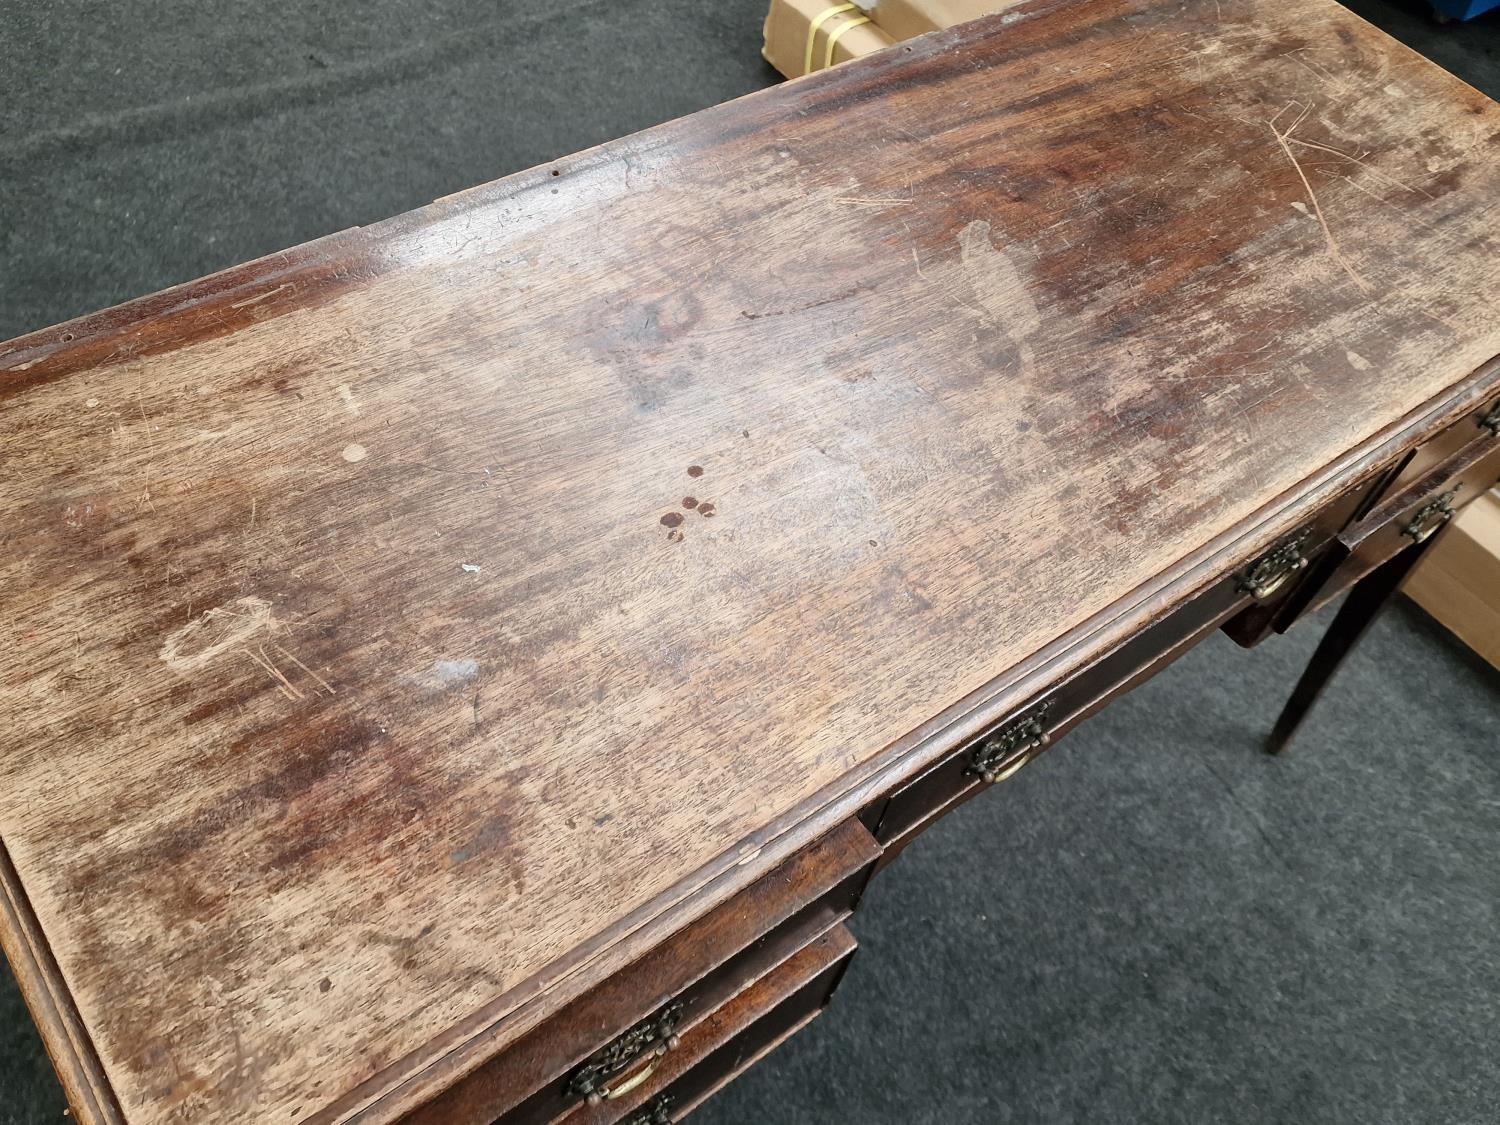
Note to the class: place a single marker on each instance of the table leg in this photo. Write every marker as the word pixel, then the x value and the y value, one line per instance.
pixel 1365 600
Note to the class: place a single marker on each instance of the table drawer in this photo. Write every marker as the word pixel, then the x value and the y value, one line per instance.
pixel 601 1040
pixel 1258 619
pixel 732 1038
pixel 1004 749
pixel 1459 441
pixel 1408 517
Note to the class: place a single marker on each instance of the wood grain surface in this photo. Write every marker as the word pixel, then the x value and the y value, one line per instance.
pixel 400 630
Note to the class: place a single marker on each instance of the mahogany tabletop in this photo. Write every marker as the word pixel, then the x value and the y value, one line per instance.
pixel 403 632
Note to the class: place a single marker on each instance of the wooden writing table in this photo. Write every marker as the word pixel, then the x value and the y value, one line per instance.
pixel 466 667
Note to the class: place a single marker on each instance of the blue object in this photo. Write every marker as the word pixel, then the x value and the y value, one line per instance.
pixel 1462 9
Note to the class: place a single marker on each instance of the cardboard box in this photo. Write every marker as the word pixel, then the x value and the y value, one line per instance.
pixel 807 35
pixel 799 32
pixel 1459 580
pixel 906 19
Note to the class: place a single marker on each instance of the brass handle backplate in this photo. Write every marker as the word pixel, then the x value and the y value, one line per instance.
pixel 1490 420
pixel 1273 569
pixel 1430 517
pixel 1003 753
pixel 654 1036
pixel 655 1112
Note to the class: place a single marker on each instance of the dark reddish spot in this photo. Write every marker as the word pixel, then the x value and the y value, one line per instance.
pixel 689 502
pixel 671 519
pixel 324 985
pixel 705 508
pixel 695 470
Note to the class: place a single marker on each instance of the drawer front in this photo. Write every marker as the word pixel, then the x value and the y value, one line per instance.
pixel 731 1039
pixel 1410 516
pixel 1263 614
pixel 1478 428
pixel 600 1041
pixel 1003 750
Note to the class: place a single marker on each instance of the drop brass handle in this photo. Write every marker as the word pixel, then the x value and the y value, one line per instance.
pixel 1003 753
pixel 1430 517
pixel 647 1040
pixel 992 777
pixel 1274 569
pixel 633 1081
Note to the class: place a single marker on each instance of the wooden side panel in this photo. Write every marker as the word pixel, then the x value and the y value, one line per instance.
pixel 90 1100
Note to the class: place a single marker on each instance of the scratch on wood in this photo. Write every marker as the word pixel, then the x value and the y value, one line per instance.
pixel 1374 171
pixel 1333 245
pixel 322 683
pixel 284 685
pixel 257 300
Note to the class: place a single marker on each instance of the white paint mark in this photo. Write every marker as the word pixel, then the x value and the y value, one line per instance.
pixel 443 675
pixel 91 403
pixel 1300 206
pixel 471 568
pixel 354 452
pixel 455 671
pixel 1357 361
pixel 348 396
pixel 1393 91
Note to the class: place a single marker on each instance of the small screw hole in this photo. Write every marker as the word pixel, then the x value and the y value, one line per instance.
pixel 555 172
pixel 67 336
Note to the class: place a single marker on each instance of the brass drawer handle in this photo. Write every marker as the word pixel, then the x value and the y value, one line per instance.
pixel 634 1080
pixel 1003 753
pixel 655 1035
pixel 1272 570
pixel 654 1112
pixel 1430 517
pixel 1490 420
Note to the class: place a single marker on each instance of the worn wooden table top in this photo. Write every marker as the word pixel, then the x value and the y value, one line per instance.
pixel 401 632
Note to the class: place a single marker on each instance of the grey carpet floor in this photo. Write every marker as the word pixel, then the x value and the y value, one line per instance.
pixel 1154 922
